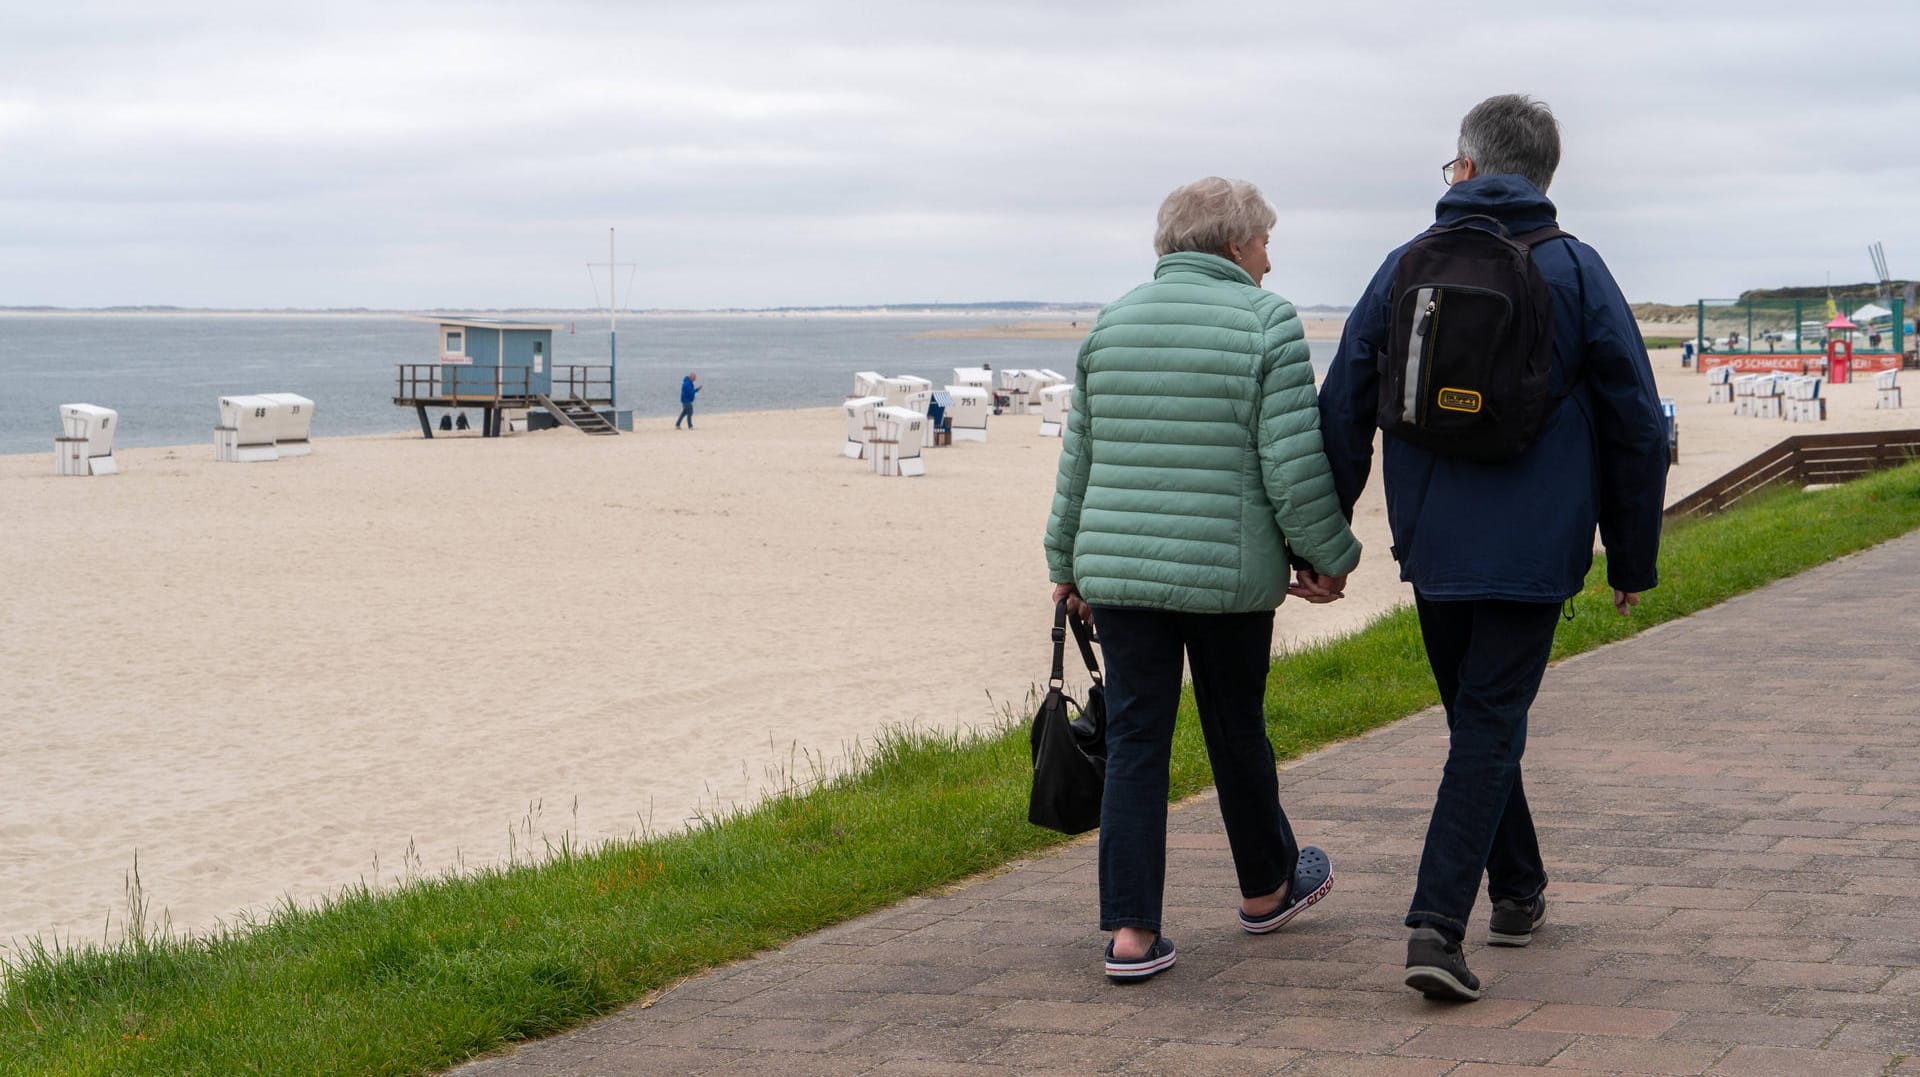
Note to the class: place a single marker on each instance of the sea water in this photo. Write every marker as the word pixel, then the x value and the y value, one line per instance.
pixel 164 373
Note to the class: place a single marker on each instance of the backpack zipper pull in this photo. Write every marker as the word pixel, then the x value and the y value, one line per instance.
pixel 1427 316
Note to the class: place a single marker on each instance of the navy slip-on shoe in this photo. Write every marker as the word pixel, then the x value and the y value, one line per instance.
pixel 1157 959
pixel 1312 880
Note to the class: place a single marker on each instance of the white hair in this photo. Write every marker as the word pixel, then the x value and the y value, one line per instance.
pixel 1208 214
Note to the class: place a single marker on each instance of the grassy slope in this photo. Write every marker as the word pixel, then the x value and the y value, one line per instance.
pixel 414 980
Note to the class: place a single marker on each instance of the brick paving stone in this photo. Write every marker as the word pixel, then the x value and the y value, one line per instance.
pixel 1209 1060
pixel 1369 1036
pixel 1638 1056
pixel 1767 1029
pixel 1490 1069
pixel 1337 1065
pixel 1486 1044
pixel 1789 1062
pixel 1731 893
pixel 1601 1020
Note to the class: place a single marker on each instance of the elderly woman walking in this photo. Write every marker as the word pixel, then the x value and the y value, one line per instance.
pixel 1191 477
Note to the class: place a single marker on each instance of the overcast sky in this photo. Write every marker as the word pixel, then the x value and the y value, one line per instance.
pixel 434 155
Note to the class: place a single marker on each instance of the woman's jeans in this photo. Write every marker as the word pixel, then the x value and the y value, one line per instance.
pixel 1487 658
pixel 1229 654
pixel 686 412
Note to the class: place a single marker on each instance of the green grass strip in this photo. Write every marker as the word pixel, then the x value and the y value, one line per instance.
pixel 418 979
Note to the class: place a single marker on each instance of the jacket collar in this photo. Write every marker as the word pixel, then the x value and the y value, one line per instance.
pixel 1515 201
pixel 1206 265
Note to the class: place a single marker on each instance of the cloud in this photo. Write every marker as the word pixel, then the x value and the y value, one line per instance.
pixel 439 154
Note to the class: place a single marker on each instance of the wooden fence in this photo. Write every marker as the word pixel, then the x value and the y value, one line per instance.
pixel 1806 460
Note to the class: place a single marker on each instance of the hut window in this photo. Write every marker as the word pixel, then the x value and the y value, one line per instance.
pixel 454 345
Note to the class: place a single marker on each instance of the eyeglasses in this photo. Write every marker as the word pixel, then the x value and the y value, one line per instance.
pixel 1446 170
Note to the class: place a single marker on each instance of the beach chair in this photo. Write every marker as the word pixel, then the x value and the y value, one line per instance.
pixel 971 406
pixel 1743 393
pixel 1055 401
pixel 1673 429
pixel 1804 402
pixel 867 383
pixel 860 425
pixel 85 446
pixel 1767 396
pixel 898 437
pixel 1886 390
pixel 1720 385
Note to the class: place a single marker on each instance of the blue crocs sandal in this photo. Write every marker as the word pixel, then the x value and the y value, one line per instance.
pixel 1157 959
pixel 1312 880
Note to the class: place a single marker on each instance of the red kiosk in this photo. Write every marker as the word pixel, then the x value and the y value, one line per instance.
pixel 1839 349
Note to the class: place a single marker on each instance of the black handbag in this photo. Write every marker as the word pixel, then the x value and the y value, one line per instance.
pixel 1069 740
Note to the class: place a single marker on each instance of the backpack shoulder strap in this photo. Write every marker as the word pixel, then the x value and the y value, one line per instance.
pixel 1541 235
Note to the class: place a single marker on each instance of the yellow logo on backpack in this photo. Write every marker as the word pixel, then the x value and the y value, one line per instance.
pixel 1459 400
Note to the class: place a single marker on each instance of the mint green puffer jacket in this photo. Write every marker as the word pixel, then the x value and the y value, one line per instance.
pixel 1192 456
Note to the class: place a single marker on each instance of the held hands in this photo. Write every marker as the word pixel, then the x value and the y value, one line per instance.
pixel 1624 601
pixel 1316 588
pixel 1075 604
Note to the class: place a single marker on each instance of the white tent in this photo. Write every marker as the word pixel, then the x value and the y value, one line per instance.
pixel 1872 312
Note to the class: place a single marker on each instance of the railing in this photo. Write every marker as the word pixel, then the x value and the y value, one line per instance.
pixel 585 382
pixel 435 381
pixel 1806 460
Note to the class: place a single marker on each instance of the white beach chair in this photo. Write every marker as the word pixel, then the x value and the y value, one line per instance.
pixel 897 440
pixel 1720 385
pixel 1886 390
pixel 85 446
pixel 1767 396
pixel 1804 402
pixel 1743 393
pixel 246 431
pixel 971 406
pixel 860 425
pixel 867 383
pixel 1055 402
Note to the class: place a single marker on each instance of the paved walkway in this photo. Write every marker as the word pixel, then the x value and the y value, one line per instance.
pixel 1735 849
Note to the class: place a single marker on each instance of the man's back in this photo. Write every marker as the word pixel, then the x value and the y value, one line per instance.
pixel 1521 529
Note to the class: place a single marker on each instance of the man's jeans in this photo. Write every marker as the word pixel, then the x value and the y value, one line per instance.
pixel 686 413
pixel 1487 657
pixel 1229 654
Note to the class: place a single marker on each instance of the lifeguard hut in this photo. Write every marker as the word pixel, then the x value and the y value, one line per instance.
pixel 499 367
pixel 1840 349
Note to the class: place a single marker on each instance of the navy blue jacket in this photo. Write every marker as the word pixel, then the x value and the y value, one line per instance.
pixel 1520 529
pixel 687 389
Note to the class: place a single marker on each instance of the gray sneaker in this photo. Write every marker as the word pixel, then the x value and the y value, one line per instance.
pixel 1513 921
pixel 1437 969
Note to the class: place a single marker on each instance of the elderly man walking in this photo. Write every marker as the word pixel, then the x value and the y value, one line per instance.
pixel 1520 412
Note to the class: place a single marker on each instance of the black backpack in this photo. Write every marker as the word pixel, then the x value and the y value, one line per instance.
pixel 1465 371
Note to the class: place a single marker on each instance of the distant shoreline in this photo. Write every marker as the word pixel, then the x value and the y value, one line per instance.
pixel 1319 325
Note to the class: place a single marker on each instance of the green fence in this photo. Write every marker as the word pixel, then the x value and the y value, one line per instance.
pixel 1747 327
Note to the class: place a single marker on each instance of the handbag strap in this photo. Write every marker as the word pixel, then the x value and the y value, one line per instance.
pixel 1058 678
pixel 1083 635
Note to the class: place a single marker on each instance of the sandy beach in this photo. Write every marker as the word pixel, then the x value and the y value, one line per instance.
pixel 265 679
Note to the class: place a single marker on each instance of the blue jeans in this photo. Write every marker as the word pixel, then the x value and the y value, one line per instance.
pixel 1487 658
pixel 1229 654
pixel 686 412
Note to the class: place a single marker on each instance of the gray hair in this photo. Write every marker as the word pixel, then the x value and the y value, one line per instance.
pixel 1512 133
pixel 1208 214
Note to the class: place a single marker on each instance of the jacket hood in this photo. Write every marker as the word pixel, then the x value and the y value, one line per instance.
pixel 1514 200
pixel 1211 265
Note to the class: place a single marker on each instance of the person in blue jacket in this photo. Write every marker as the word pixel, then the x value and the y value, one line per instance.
pixel 689 385
pixel 1494 549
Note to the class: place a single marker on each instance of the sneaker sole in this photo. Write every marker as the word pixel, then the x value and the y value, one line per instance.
pixel 1139 970
pixel 1495 938
pixel 1439 983
pixel 1276 922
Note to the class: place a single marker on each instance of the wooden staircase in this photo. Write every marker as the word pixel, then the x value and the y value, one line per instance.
pixel 579 415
